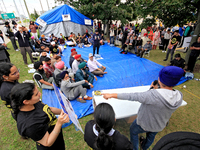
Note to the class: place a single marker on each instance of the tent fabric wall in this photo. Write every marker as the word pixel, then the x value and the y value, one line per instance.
pixel 52 22
pixel 65 28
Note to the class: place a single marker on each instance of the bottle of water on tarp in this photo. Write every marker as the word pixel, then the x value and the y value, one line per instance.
pixel 76 128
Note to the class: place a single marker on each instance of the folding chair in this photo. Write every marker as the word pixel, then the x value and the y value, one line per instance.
pixel 146 53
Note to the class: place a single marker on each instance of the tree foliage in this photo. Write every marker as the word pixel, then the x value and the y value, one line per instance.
pixel 147 22
pixel 105 10
pixel 35 15
pixel 170 12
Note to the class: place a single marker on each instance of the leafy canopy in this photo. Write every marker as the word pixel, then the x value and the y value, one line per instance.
pixel 104 10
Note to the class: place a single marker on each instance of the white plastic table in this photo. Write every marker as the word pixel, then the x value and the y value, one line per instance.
pixel 123 108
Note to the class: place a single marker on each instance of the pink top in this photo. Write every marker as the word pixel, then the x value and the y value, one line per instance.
pixel 33 28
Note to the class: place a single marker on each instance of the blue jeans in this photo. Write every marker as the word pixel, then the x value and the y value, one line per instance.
pixel 112 38
pixel 135 129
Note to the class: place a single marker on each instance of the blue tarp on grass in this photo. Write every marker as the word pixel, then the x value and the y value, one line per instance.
pixel 123 71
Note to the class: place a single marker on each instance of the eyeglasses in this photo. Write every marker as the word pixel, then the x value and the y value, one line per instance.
pixel 15 73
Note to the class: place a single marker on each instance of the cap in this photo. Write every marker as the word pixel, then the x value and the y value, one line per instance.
pixel 90 55
pixel 52 43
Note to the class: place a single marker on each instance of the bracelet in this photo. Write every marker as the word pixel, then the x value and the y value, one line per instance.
pixel 56 132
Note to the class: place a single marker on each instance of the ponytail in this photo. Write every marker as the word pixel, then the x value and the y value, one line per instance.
pixel 104 118
pixel 19 93
pixel 103 141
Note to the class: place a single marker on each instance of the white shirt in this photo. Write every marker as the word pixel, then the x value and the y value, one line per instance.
pixel 167 36
pixel 144 40
pixel 75 66
pixel 93 65
pixel 1 40
pixel 112 33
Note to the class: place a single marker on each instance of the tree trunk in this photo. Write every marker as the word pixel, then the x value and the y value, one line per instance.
pixel 108 29
pixel 194 37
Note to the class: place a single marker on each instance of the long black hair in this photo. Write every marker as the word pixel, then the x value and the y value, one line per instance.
pixel 104 118
pixel 19 93
pixel 4 70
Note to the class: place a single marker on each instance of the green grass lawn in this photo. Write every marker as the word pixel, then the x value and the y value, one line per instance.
pixel 183 119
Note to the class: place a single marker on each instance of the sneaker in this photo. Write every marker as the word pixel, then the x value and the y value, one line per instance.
pixel 165 60
pixel 88 98
pixel 17 50
pixel 81 100
pixel 163 51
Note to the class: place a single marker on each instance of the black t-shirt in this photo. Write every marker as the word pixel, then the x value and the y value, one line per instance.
pixel 174 39
pixel 34 124
pixel 53 49
pixel 42 58
pixel 38 77
pixel 178 63
pixel 139 42
pixel 195 52
pixel 5 89
pixel 120 141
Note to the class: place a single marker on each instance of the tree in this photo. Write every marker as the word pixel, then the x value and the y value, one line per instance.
pixel 104 10
pixel 171 12
pixel 147 22
pixel 34 16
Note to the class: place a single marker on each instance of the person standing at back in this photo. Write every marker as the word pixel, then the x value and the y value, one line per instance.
pixel 33 27
pixel 9 33
pixel 23 38
pixel 96 38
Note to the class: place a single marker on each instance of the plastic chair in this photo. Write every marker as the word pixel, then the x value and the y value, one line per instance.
pixel 146 53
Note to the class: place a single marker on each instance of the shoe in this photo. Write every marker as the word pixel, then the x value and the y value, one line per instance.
pixel 125 53
pixel 81 100
pixel 121 52
pixel 17 50
pixel 165 60
pixel 141 140
pixel 88 98
pixel 163 51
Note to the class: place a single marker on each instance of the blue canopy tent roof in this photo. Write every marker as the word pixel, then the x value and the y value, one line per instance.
pixel 64 19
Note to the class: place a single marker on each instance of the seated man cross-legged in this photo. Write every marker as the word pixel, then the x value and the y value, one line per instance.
pixel 83 74
pixel 73 89
pixel 93 66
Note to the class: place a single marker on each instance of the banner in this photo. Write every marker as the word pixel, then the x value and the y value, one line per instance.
pixel 41 22
pixel 67 107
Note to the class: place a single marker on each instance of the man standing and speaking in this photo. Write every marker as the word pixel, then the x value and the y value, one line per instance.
pixel 96 38
pixel 157 106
